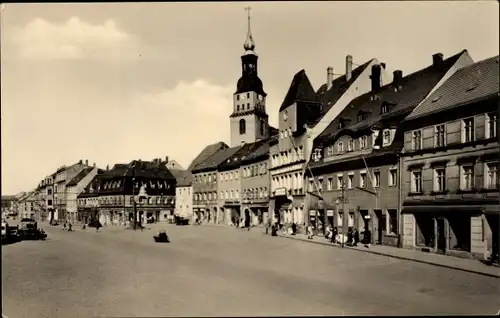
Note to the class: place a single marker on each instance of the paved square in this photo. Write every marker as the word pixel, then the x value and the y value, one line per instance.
pixel 216 271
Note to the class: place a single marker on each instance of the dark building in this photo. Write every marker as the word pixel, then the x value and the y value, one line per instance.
pixel 110 196
pixel 355 164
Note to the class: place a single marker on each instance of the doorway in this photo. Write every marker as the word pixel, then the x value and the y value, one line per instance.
pixel 247 218
pixel 441 235
pixel 380 226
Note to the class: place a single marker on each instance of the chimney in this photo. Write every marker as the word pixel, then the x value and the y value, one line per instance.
pixel 375 77
pixel 107 167
pixel 398 76
pixel 166 159
pixel 383 65
pixel 348 68
pixel 80 162
pixel 93 165
pixel 87 162
pixel 437 59
pixel 329 77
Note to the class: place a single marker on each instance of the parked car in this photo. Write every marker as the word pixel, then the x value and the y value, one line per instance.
pixel 179 220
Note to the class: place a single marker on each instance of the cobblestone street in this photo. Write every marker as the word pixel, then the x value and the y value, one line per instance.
pixel 213 271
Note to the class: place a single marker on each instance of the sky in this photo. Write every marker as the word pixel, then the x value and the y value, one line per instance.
pixel 113 82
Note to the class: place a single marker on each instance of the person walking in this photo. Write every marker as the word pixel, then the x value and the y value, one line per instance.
pixel 294 228
pixel 334 234
pixel 355 237
pixel 368 237
pixel 70 227
pixel 310 232
pixel 64 226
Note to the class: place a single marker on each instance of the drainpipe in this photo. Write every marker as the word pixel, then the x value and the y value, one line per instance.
pixel 400 201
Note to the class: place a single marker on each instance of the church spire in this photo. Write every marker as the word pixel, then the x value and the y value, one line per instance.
pixel 249 44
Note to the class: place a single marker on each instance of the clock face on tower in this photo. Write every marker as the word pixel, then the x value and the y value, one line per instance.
pixel 261 97
pixel 285 115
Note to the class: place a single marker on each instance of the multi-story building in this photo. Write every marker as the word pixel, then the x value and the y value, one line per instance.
pixel 355 166
pixel 207 152
pixel 205 191
pixel 304 114
pixel 451 157
pixel 255 183
pixel 61 177
pixel 28 205
pixel 146 188
pixel 75 186
pixel 229 186
pixel 8 205
pixel 183 193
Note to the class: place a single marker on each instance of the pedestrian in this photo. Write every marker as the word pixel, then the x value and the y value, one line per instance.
pixel 356 237
pixel 310 232
pixel 367 237
pixel 64 226
pixel 334 234
pixel 294 228
pixel 349 236
pixel 70 227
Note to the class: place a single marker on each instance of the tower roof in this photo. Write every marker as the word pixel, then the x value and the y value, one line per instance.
pixel 249 44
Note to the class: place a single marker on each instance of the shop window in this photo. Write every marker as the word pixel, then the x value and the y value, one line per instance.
pixel 393 222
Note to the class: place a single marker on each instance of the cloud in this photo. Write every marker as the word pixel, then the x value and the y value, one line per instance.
pixel 177 122
pixel 74 39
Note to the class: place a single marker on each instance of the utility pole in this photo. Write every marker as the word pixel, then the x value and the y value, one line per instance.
pixel 345 220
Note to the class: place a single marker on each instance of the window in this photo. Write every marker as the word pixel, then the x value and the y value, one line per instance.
pixel 49 202
pixel 393 175
pixel 363 142
pixel 237 97
pixel 310 186
pixel 386 137
pixel 416 181
pixel 467 179
pixel 320 184
pixel 340 218
pixel 385 109
pixel 468 130
pixel 491 125
pixel 248 105
pixel 362 179
pixel 262 127
pixel 416 140
pixel 439 138
pixel 329 151
pixel 350 181
pixel 49 191
pixel 439 179
pixel 340 147
pixel 340 182
pixel 238 108
pixel 350 221
pixel 492 175
pixel 215 195
pixel 350 145
pixel 376 178
pixel 248 94
pixel 329 184
pixel 243 127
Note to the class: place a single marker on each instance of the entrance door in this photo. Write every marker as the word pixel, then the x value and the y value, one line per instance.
pixel 380 224
pixel 441 235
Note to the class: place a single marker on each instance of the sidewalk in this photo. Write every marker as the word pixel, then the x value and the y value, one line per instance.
pixel 466 265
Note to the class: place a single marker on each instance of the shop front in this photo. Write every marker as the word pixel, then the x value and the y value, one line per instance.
pixel 232 211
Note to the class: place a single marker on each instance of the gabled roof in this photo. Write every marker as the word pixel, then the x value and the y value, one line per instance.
pixel 401 97
pixel 216 159
pixel 184 178
pixel 207 152
pixel 261 152
pixel 328 98
pixel 468 84
pixel 244 155
pixel 300 90
pixel 79 177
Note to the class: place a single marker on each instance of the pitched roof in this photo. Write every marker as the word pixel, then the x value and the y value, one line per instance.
pixel 79 177
pixel 207 152
pixel 300 90
pixel 401 97
pixel 470 83
pixel 184 178
pixel 328 98
pixel 172 164
pixel 216 159
pixel 245 155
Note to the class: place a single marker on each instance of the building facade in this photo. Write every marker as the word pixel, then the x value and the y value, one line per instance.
pixel 356 167
pixel 304 114
pixel 451 158
pixel 205 187
pixel 229 187
pixel 75 186
pixel 183 193
pixel 143 188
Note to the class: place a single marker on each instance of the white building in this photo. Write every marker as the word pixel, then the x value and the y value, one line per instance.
pixel 183 193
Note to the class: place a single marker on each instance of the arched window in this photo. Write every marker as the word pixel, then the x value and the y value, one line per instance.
pixel 243 127
pixel 262 127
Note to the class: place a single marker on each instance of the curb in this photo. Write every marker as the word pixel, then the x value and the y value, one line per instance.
pixel 397 257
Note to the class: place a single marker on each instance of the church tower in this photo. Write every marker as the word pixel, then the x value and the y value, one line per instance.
pixel 249 120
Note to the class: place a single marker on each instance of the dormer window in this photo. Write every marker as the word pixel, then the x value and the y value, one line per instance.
pixel 387 137
pixel 340 147
pixel 350 145
pixel 385 109
pixel 341 124
pixel 360 117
